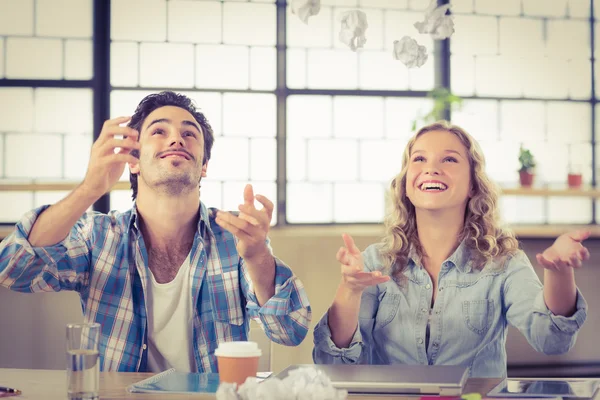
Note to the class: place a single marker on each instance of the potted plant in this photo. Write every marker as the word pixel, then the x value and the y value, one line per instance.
pixel 527 170
pixel 443 99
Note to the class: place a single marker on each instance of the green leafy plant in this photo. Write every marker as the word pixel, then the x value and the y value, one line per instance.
pixel 526 159
pixel 442 99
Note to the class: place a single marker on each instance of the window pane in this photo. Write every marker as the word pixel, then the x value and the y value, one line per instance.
pixel 506 7
pixel 64 18
pixel 263 71
pixel 34 58
pixel 542 8
pixel 479 118
pixel 401 113
pixel 230 159
pixel 318 32
pixel 309 203
pixel 54 125
pixel 78 59
pixel 263 160
pixel 252 115
pixel 380 160
pixel 248 23
pixel 194 21
pixel 358 202
pixel 159 61
pixel 358 117
pixel 152 12
pixel 569 210
pixel 309 116
pixel 332 69
pixel 14 205
pixel 332 160
pixel 19 111
pixel 16 17
pixel 523 120
pixel 35 163
pixel 522 209
pixel 124 64
pixel 379 70
pixel 228 68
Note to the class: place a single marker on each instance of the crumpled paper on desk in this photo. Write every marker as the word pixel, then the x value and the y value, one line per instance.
pixel 305 8
pixel 354 25
pixel 410 52
pixel 304 383
pixel 436 22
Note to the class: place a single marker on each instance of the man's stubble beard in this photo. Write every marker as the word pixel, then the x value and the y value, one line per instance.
pixel 175 184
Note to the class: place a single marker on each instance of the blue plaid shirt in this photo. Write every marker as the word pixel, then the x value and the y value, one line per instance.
pixel 105 260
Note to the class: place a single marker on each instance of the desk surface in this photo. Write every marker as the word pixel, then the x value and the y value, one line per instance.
pixel 51 385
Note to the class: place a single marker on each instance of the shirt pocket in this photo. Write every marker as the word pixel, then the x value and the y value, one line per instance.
pixel 388 307
pixel 478 315
pixel 226 298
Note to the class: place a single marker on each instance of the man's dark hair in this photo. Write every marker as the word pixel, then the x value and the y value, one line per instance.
pixel 162 99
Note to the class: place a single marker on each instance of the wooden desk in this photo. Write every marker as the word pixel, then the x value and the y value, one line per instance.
pixel 51 385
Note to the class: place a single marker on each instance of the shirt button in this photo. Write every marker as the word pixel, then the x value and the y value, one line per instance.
pixel 441 289
pixel 435 345
pixel 144 346
pixel 420 341
pixel 428 286
pixel 424 309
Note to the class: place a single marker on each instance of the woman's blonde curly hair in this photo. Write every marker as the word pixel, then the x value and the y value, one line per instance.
pixel 482 229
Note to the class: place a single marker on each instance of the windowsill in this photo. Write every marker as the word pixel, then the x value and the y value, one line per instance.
pixel 522 231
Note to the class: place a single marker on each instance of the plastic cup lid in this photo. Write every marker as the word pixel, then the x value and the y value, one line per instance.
pixel 238 349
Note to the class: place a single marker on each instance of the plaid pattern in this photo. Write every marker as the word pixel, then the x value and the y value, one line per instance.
pixel 105 260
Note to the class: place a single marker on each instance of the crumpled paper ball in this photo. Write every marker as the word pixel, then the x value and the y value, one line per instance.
pixel 354 25
pixel 305 8
pixel 304 383
pixel 410 52
pixel 436 22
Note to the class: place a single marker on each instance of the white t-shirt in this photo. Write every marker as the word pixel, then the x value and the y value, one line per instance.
pixel 170 322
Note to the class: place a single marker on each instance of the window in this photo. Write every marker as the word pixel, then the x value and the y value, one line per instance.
pixel 45 97
pixel 321 137
pixel 525 70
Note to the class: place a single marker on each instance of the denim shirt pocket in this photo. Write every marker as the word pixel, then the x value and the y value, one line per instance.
pixel 225 297
pixel 478 315
pixel 388 307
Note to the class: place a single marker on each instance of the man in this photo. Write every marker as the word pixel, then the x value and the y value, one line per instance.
pixel 169 279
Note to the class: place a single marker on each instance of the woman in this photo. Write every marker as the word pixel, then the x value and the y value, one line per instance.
pixel 445 282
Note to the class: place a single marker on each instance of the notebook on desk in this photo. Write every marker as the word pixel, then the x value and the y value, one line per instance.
pixel 172 381
pixel 177 382
pixel 444 380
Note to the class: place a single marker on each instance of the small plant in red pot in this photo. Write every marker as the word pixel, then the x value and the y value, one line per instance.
pixel 527 170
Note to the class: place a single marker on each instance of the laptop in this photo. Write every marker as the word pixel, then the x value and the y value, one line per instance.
pixel 443 380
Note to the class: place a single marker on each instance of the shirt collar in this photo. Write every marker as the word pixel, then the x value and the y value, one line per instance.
pixel 460 258
pixel 203 221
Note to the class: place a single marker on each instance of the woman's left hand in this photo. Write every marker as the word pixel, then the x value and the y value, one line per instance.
pixel 566 252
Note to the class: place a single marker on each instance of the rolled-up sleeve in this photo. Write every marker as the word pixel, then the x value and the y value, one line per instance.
pixel 326 352
pixel 63 266
pixel 527 311
pixel 285 317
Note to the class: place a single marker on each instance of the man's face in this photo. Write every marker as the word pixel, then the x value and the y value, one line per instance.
pixel 171 151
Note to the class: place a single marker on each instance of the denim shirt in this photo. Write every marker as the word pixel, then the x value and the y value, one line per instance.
pixel 469 319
